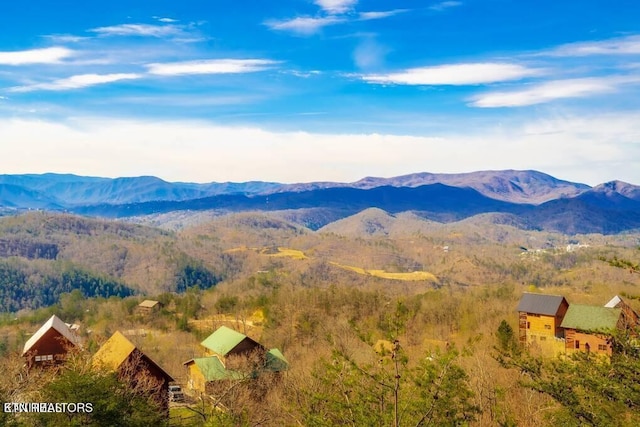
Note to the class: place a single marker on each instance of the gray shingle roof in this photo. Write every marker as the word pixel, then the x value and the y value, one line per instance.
pixel 540 304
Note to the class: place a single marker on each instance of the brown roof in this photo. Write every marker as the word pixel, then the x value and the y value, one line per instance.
pixel 148 303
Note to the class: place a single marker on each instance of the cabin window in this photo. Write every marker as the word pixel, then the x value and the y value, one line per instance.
pixel 577 344
pixel 602 347
pixel 543 338
pixel 547 326
pixel 44 357
pixel 528 325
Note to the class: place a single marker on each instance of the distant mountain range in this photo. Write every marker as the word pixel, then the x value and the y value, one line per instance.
pixel 528 199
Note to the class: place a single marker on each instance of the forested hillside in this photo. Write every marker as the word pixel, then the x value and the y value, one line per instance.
pixel 377 310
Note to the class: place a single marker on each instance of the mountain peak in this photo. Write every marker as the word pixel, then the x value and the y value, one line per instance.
pixel 619 187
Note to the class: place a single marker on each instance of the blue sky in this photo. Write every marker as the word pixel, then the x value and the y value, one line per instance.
pixel 306 90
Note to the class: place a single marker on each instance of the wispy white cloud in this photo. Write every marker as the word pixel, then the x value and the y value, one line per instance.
pixel 142 30
pixel 210 66
pixel 165 20
pixel 303 74
pixel 368 16
pixel 629 45
pixel 49 55
pixel 77 82
pixel 549 91
pixel 586 148
pixel 455 74
pixel 336 7
pixel 65 38
pixel 445 5
pixel 304 25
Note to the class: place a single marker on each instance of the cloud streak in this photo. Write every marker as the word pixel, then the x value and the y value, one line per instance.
pixel 439 7
pixel 455 74
pixel 77 82
pixel 304 25
pixel 50 55
pixel 140 30
pixel 629 45
pixel 550 91
pixel 368 16
pixel 211 66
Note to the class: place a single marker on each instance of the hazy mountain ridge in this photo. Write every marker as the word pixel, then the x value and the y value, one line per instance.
pixel 67 191
pixel 529 187
pixel 527 199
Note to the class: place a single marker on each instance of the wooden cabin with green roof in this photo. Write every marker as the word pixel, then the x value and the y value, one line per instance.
pixel 204 371
pixel 230 356
pixel 226 342
pixel 589 328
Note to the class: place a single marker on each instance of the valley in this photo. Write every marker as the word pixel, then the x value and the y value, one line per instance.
pixel 333 297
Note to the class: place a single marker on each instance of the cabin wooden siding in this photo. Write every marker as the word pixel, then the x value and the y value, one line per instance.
pixel 581 341
pixel 537 326
pixel 540 317
pixel 562 311
pixel 52 343
pixel 196 378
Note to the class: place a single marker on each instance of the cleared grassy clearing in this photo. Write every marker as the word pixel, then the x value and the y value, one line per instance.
pixel 412 276
pixel 272 252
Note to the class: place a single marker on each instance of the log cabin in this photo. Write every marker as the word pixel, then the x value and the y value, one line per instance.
pixel 119 355
pixel 50 344
pixel 540 317
pixel 589 328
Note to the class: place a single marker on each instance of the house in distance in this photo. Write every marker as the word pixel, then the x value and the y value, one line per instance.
pixel 540 317
pixel 148 306
pixel 552 324
pixel 50 344
pixel 231 356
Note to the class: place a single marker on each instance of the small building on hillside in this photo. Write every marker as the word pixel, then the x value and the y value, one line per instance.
pixel 148 306
pixel 231 356
pixel 119 355
pixel 540 317
pixel 588 328
pixel 225 342
pixel 50 344
pixel 629 316
pixel 204 371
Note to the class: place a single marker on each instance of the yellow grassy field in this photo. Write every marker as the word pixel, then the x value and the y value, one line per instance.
pixel 413 276
pixel 290 253
pixel 282 252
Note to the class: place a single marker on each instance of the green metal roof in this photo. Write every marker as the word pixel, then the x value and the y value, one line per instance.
pixel 591 318
pixel 223 340
pixel 276 361
pixel 213 370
